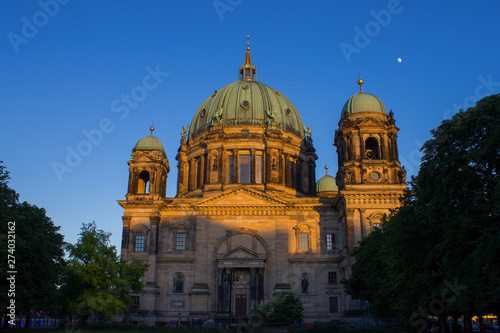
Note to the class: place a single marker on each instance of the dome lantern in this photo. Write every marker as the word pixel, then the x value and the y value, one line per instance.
pixel 248 72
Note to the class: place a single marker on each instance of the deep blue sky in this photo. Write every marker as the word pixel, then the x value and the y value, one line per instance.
pixel 62 73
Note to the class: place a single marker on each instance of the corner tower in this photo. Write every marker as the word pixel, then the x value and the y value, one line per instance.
pixel 148 170
pixel 370 176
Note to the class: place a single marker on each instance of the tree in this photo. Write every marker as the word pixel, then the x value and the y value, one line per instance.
pixel 286 308
pixel 36 254
pixel 98 281
pixel 439 253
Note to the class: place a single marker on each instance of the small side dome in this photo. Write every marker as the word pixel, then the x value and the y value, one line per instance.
pixel 150 142
pixel 362 102
pixel 326 183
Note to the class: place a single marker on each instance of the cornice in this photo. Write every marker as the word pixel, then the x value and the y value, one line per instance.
pixel 175 260
pixel 373 198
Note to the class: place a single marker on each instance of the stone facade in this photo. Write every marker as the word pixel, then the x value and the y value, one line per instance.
pixel 246 223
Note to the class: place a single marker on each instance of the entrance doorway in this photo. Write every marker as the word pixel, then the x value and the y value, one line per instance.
pixel 240 305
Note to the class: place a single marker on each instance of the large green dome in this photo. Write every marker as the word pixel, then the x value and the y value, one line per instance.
pixel 247 102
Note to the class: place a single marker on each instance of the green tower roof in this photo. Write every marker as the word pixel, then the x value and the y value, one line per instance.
pixel 362 102
pixel 150 142
pixel 326 183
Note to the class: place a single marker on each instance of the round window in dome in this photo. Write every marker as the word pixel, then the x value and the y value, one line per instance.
pixel 203 113
pixel 288 112
pixel 375 176
pixel 245 104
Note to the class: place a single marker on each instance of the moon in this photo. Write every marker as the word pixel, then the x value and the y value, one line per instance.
pixel 399 59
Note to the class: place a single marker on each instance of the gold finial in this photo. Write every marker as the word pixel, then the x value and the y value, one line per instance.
pixel 360 82
pixel 152 128
pixel 248 42
pixel 326 169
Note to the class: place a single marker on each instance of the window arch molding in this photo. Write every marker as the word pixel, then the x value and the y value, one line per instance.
pixel 303 236
pixel 140 233
pixel 181 238
pixel 375 219
pixel 244 231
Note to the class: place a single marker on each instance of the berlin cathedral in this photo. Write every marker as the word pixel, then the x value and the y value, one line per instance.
pixel 249 220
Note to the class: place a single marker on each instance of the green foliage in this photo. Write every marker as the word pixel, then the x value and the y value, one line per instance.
pixel 38 255
pixel 286 308
pixel 98 281
pixel 442 244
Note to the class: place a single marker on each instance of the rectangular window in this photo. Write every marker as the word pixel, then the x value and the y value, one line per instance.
pixel 332 277
pixel 199 174
pixel 334 304
pixel 231 169
pixel 181 241
pixel 135 303
pixel 330 241
pixel 139 243
pixel 303 241
pixel 258 169
pixel 245 169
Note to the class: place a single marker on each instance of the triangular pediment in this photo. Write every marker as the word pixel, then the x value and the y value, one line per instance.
pixel 240 252
pixel 242 197
pixel 143 158
pixel 370 122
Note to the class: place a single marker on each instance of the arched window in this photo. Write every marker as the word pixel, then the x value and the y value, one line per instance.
pixel 143 182
pixel 303 237
pixel 372 149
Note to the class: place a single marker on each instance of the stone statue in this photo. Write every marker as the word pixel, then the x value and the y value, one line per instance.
pixel 305 283
pixel 217 118
pixel 183 133
pixel 348 177
pixel 273 164
pixel 308 131
pixel 271 115
pixel 402 175
pixel 178 283
pixel 214 166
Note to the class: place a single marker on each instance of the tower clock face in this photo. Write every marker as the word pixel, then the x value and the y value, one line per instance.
pixel 375 176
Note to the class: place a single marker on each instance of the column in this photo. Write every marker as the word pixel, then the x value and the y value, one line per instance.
pixel 153 235
pixel 229 282
pixel 364 227
pixel 385 147
pixel 268 164
pixel 253 290
pixel 282 167
pixel 252 162
pixel 220 289
pixel 288 180
pixel 260 296
pixel 395 147
pixel 361 146
pixel 202 171
pixel 126 231
pixel 236 155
